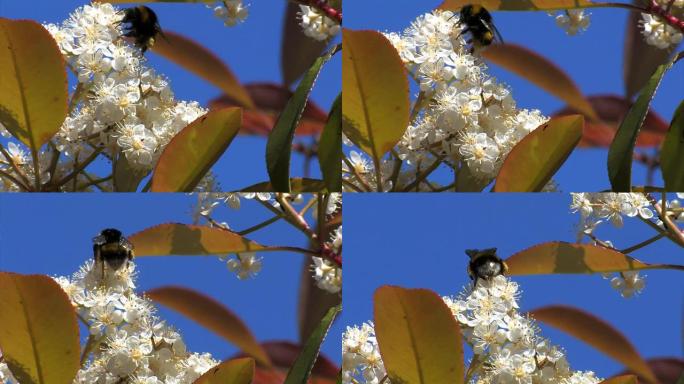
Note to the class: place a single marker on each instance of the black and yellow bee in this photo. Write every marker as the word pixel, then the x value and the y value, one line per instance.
pixel 110 247
pixel 478 22
pixel 485 264
pixel 143 26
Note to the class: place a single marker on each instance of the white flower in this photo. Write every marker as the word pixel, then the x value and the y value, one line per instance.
pixel 327 275
pixel 573 21
pixel 628 283
pixel 245 265
pixel 138 144
pixel 480 152
pixel 232 12
pixel 658 33
pixel 316 25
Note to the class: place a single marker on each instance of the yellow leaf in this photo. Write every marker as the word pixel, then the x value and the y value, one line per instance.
pixel 181 239
pixel 39 332
pixel 419 339
pixel 596 333
pixel 375 92
pixel 33 90
pixel 195 149
pixel 562 257
pixel 212 315
pixel 236 371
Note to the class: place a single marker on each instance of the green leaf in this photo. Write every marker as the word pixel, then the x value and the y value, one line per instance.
pixel 297 50
pixel 297 185
pixel 672 153
pixel 419 339
pixel 33 90
pixel 518 5
pixel 212 315
pixel 301 370
pixel 39 333
pixel 181 239
pixel 199 60
pixel 195 149
pixel 540 71
pixel 279 145
pixel 375 92
pixel 537 157
pixel 235 371
pixel 622 148
pixel 330 148
pixel 597 333
pixel 561 257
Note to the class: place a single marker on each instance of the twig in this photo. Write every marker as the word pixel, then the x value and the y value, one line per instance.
pixel 643 243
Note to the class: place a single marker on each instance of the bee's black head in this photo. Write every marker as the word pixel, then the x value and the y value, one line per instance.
pixel 475 253
pixel 111 235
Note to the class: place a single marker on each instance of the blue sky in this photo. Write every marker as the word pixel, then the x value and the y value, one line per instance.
pixel 592 59
pixel 418 240
pixel 51 234
pixel 251 50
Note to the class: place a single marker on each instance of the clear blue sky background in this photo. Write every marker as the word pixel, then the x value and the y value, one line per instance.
pixel 592 59
pixel 251 50
pixel 416 240
pixel 52 234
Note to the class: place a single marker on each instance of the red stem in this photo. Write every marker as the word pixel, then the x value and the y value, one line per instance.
pixel 664 13
pixel 325 8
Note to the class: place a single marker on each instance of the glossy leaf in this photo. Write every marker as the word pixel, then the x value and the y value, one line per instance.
pixel 194 150
pixel 611 109
pixel 672 153
pixel 301 369
pixel 375 97
pixel 270 99
pixel 297 51
pixel 541 72
pixel 199 60
pixel 330 148
pixel 212 315
pixel 622 148
pixel 279 145
pixel 419 339
pixel 313 302
pixel 182 239
pixel 518 5
pixel 33 90
pixel 297 185
pixel 625 379
pixel 538 156
pixel 236 371
pixel 39 333
pixel 283 354
pixel 640 58
pixel 561 257
pixel 596 333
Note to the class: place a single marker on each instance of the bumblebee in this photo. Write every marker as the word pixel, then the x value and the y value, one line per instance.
pixel 110 247
pixel 478 21
pixel 143 26
pixel 485 264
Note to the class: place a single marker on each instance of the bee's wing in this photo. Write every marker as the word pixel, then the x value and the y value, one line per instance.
pixel 99 240
pixel 126 244
pixel 493 28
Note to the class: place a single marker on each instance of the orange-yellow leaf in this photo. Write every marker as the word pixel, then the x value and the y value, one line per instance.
pixel 33 89
pixel 595 332
pixel 181 239
pixel 39 333
pixel 375 92
pixel 541 72
pixel 235 371
pixel 625 379
pixel 419 339
pixel 193 151
pixel 538 156
pixel 212 315
pixel 517 5
pixel 562 257
pixel 199 60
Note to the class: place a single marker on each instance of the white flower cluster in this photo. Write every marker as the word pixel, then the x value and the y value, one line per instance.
pixel 573 21
pixel 247 265
pixel 657 32
pixel 120 106
pixel 467 117
pixel 317 25
pixel 128 342
pixel 506 345
pixel 232 12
